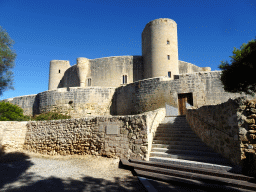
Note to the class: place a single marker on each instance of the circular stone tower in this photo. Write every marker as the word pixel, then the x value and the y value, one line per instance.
pixel 160 48
pixel 82 69
pixel 57 70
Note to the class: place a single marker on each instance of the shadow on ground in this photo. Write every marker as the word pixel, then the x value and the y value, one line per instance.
pixel 12 166
pixel 71 185
pixel 14 178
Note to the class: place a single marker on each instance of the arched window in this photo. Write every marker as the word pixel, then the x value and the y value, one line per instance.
pixel 59 71
pixel 168 57
pixel 169 73
pixel 168 42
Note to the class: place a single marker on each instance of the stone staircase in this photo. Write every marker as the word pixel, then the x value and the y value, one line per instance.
pixel 180 158
pixel 176 143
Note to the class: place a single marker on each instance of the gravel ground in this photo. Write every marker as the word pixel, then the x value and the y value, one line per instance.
pixel 33 172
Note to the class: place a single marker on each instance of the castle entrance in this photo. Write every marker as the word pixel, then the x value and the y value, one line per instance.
pixel 184 100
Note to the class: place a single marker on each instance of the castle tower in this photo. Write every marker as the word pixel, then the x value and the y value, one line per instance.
pixel 57 70
pixel 82 67
pixel 160 48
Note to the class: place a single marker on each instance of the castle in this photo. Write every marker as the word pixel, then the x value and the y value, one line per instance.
pixel 125 85
pixel 159 58
pixel 117 104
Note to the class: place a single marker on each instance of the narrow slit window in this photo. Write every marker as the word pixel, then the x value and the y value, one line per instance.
pixel 168 57
pixel 169 73
pixel 59 71
pixel 124 79
pixel 89 82
pixel 168 42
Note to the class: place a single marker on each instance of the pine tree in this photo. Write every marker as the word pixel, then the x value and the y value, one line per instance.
pixel 7 57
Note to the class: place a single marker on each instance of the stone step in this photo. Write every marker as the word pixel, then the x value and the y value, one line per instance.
pixel 195 174
pixel 175 134
pixel 235 173
pixel 173 138
pixel 180 142
pixel 183 147
pixel 195 164
pixel 173 119
pixel 207 159
pixel 174 129
pixel 178 131
pixel 168 134
pixel 189 152
pixel 196 181
pixel 164 126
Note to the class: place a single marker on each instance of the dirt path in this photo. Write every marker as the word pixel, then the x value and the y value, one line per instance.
pixel 34 172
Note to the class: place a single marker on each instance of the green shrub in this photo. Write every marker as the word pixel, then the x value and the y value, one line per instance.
pixel 50 116
pixel 11 112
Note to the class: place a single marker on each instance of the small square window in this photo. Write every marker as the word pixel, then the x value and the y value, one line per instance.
pixel 168 57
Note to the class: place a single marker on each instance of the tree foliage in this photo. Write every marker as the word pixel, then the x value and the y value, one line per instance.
pixel 11 112
pixel 239 75
pixel 7 57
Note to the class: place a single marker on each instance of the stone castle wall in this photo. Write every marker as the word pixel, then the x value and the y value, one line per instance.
pixel 29 103
pixel 56 72
pixel 106 72
pixel 70 78
pixel 12 135
pixel 151 94
pixel 229 128
pixel 109 71
pixel 185 67
pixel 77 102
pixel 160 48
pixel 111 136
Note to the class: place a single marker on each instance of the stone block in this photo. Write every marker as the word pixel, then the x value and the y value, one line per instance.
pixel 112 130
pixel 252 127
pixel 249 151
pixel 138 141
pixel 250 121
pixel 252 136
pixel 136 148
pixel 144 149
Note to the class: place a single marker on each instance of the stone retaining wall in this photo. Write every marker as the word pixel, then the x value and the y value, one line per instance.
pixel 12 135
pixel 111 136
pixel 229 128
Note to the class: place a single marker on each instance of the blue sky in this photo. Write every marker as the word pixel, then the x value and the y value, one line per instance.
pixel 45 30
